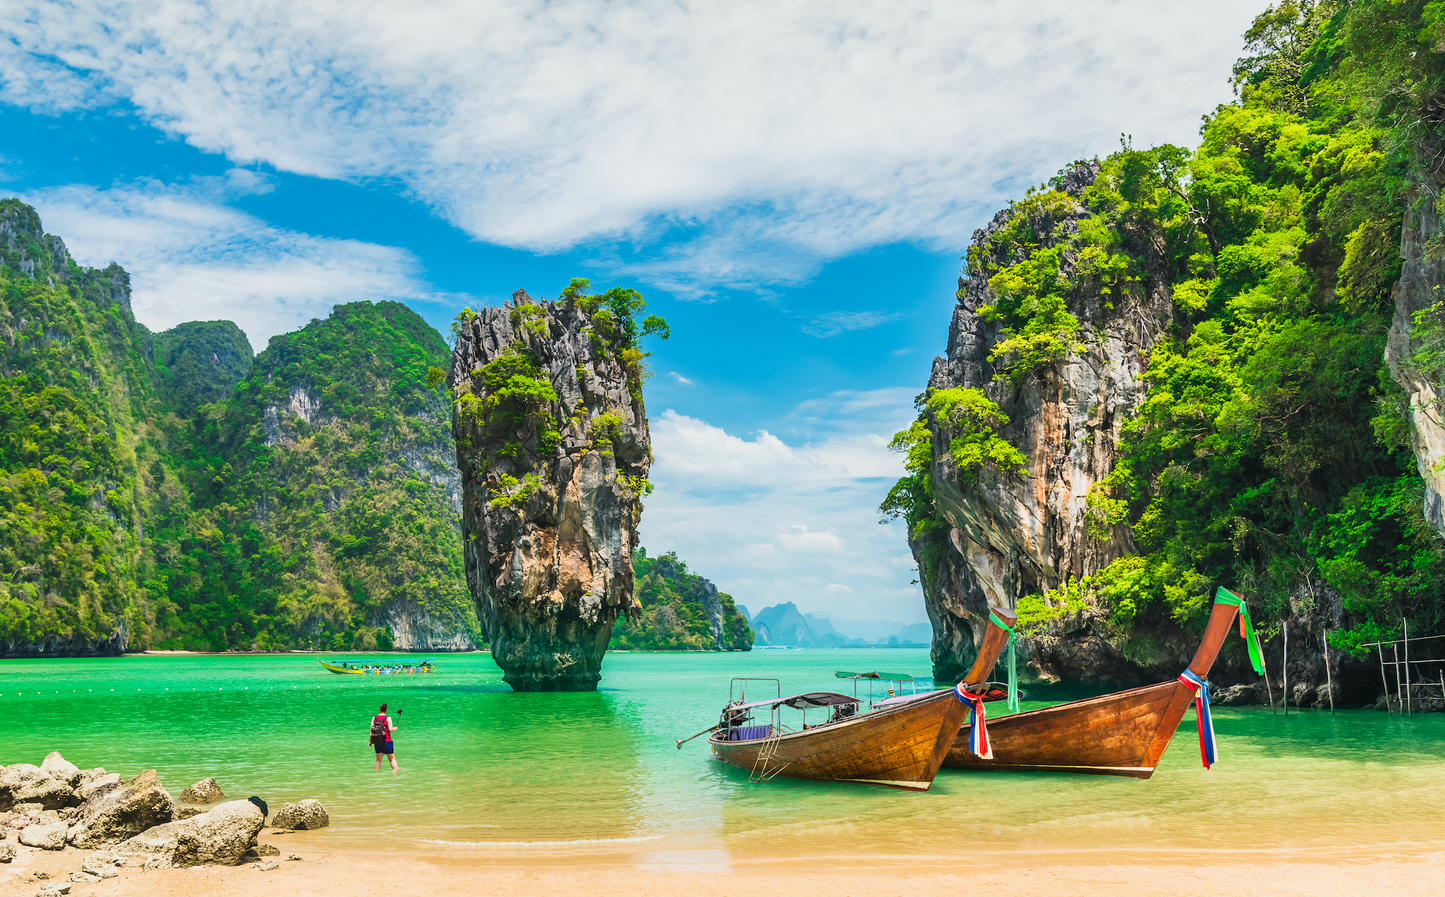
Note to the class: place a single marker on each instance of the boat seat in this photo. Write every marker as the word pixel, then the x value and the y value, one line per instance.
pixel 748 733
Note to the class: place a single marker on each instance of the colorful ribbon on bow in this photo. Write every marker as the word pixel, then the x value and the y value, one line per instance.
pixel 1013 673
pixel 977 731
pixel 1207 752
pixel 1246 627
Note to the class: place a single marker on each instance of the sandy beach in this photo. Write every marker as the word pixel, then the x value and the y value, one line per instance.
pixel 356 874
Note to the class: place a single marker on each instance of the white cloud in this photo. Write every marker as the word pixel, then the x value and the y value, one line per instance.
pixel 768 135
pixel 191 257
pixel 835 322
pixel 769 521
pixel 680 378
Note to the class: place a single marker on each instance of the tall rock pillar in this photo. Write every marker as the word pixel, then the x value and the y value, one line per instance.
pixel 553 449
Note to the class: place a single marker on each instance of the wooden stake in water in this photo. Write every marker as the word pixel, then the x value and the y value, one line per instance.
pixel 1409 710
pixel 1398 695
pixel 1267 689
pixel 1285 660
pixel 1329 680
pixel 1384 682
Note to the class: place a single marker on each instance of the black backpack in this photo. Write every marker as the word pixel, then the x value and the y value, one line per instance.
pixel 378 729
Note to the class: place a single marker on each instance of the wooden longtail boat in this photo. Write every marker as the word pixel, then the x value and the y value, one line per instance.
pixel 899 744
pixel 375 667
pixel 1120 734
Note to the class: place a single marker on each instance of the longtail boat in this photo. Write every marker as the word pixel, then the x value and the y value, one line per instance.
pixel 899 743
pixel 1119 734
pixel 375 667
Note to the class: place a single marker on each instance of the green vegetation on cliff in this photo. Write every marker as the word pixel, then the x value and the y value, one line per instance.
pixel 1267 453
pixel 168 484
pixel 681 611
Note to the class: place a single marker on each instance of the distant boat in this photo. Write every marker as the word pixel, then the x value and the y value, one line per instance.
pixel 899 744
pixel 1120 734
pixel 375 667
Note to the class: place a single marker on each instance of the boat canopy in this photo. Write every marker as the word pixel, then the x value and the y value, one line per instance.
pixel 891 677
pixel 904 699
pixel 802 702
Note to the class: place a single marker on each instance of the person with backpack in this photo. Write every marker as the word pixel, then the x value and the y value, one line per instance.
pixel 381 728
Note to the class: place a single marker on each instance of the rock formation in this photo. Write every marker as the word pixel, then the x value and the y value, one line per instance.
pixel 304 816
pixel 1016 535
pixel 553 449
pixel 1422 276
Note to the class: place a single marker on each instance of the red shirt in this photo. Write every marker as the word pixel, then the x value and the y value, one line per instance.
pixel 385 725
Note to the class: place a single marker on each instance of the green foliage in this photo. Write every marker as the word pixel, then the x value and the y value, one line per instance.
pixel 975 420
pixel 675 614
pixel 509 492
pixel 518 398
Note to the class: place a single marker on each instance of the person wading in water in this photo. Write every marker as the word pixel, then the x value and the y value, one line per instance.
pixel 381 728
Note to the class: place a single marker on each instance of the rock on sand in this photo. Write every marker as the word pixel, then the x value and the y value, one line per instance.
pixel 206 791
pixel 46 837
pixel 216 838
pixel 122 812
pixel 309 814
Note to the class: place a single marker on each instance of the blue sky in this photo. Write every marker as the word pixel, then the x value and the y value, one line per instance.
pixel 790 185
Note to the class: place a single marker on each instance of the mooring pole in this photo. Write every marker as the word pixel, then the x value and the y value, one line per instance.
pixel 1329 680
pixel 1267 689
pixel 1285 663
pixel 1399 696
pixel 1409 709
pixel 1384 682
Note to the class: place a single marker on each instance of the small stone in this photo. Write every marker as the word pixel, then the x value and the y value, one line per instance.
pixel 102 866
pixel 84 878
pixel 7 851
pixel 266 865
pixel 189 812
pixel 120 861
pixel 206 791
pixel 267 850
pixel 156 863
pixel 294 858
pixel 42 875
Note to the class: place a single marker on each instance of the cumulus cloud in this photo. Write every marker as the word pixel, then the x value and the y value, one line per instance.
pixel 771 521
pixel 759 137
pixel 191 256
pixel 680 378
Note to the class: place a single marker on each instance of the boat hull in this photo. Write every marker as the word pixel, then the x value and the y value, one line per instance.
pixel 1120 734
pixel 899 747
pixel 342 670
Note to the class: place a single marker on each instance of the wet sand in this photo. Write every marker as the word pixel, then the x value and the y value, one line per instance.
pixel 384 872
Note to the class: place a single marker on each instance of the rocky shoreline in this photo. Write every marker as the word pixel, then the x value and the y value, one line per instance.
pixel 106 826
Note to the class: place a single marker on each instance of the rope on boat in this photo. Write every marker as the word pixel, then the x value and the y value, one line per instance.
pixel 1208 754
pixel 977 731
pixel 1013 672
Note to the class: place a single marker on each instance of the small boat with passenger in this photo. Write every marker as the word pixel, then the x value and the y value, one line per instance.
pixel 376 667
pixel 899 742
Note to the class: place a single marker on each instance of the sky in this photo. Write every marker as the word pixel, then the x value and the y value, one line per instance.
pixel 790 184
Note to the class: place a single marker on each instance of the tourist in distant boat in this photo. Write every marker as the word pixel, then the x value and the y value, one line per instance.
pixel 381 729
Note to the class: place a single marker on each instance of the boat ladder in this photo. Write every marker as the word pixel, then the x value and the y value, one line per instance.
pixel 765 766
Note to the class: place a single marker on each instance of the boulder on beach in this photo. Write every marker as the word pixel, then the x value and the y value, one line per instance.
pixel 57 767
pixel 189 812
pixel 7 851
pixel 26 783
pixel 94 782
pixel 122 812
pixel 206 791
pixel 309 814
pixel 46 837
pixel 219 837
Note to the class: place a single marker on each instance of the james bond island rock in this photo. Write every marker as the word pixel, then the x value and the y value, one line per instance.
pixel 553 449
pixel 1168 372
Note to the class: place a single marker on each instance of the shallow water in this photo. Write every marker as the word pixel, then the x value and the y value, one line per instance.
pixel 585 778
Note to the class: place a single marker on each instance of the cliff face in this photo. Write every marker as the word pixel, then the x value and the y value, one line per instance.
pixel 553 448
pixel 75 450
pixel 1016 535
pixel 1422 275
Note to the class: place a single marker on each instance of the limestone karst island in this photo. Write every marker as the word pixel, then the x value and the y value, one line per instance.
pixel 627 448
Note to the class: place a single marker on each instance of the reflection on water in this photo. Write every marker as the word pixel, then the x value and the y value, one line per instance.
pixel 539 778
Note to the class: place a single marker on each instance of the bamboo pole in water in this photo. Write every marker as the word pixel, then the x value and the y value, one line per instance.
pixel 1384 682
pixel 1398 695
pixel 1409 709
pixel 1285 663
pixel 1329 680
pixel 1267 689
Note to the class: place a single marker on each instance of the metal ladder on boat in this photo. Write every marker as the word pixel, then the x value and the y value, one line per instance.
pixel 763 766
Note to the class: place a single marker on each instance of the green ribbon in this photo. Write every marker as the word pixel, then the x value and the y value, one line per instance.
pixel 1256 656
pixel 1013 673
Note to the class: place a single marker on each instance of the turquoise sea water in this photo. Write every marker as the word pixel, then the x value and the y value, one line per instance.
pixel 595 777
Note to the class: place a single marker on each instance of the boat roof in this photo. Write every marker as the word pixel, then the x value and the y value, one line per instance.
pixel 892 677
pixel 904 699
pixel 389 663
pixel 803 701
